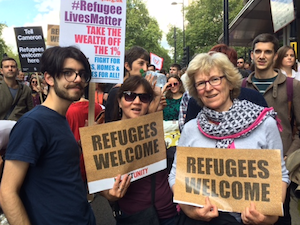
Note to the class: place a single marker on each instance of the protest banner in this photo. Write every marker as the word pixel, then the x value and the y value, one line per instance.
pixel 31 45
pixel 132 146
pixel 231 178
pixel 98 29
pixel 53 35
pixel 156 61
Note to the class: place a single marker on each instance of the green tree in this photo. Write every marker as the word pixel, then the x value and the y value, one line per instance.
pixel 205 23
pixel 143 30
pixel 3 46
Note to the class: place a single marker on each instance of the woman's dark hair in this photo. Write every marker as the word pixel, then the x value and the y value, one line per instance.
pixel 169 94
pixel 130 84
pixel 53 60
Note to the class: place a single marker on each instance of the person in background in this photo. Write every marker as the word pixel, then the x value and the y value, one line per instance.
pixel 175 69
pixel 173 90
pixel 99 93
pixel 151 67
pixel 41 181
pixel 240 63
pixel 215 83
pixel 21 78
pixel 136 64
pixel 133 100
pixel 163 71
pixel 286 62
pixel 36 90
pixel 247 67
pixel 273 85
pixel 15 98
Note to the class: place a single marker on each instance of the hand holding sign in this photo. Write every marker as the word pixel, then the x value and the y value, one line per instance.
pixel 252 216
pixel 208 212
pixel 119 189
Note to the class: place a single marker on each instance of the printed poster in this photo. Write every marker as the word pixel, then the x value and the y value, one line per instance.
pixel 131 146
pixel 231 178
pixel 97 28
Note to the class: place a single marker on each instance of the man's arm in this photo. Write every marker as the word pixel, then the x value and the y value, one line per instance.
pixel 12 180
pixel 29 101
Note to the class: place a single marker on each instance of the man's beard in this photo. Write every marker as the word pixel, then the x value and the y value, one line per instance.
pixel 64 94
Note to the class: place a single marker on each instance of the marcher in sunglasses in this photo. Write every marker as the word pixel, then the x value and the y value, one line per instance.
pixel 131 96
pixel 134 98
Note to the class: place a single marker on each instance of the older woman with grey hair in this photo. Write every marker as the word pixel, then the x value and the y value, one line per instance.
pixel 225 122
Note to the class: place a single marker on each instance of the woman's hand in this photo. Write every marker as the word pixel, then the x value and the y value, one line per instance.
pixel 166 87
pixel 37 88
pixel 252 216
pixel 206 213
pixel 119 189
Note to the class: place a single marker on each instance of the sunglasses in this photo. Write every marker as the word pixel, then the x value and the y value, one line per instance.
pixel 130 96
pixel 34 82
pixel 173 85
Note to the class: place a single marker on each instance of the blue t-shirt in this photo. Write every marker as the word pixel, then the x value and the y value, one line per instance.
pixel 53 191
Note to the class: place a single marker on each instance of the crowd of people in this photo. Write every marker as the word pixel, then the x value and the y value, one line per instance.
pixel 219 101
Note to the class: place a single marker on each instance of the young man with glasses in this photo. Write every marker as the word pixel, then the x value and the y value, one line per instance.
pixel 15 97
pixel 41 182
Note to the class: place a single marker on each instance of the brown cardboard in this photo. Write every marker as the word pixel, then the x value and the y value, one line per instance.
pixel 244 171
pixel 146 129
pixel 53 35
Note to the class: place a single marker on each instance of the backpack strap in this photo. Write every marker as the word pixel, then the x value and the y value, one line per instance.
pixel 290 88
pixel 290 92
pixel 244 82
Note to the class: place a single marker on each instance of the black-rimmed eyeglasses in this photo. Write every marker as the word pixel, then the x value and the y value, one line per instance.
pixel 71 75
pixel 213 81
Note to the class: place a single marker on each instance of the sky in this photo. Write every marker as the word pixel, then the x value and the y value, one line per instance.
pixel 19 13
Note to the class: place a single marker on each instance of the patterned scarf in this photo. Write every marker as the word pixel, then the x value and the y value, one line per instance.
pixel 239 121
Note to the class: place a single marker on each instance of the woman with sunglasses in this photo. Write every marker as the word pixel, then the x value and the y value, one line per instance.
pixel 225 122
pixel 36 90
pixel 173 90
pixel 133 100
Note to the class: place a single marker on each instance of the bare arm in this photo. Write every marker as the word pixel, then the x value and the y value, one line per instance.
pixel 12 180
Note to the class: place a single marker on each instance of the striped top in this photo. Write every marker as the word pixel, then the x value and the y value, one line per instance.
pixel 263 84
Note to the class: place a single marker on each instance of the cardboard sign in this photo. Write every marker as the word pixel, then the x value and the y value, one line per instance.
pixel 98 29
pixel 132 146
pixel 53 35
pixel 282 12
pixel 231 178
pixel 31 45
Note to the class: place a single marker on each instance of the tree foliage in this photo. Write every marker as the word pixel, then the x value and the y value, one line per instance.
pixel 3 46
pixel 205 24
pixel 143 30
